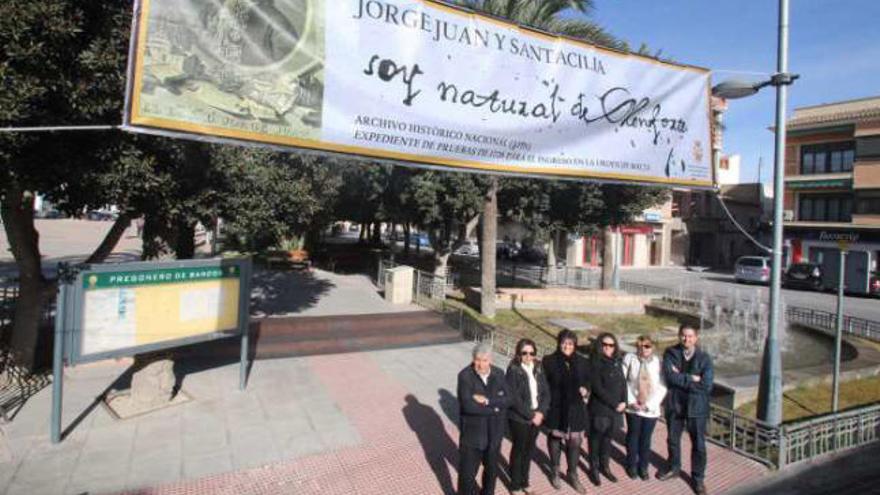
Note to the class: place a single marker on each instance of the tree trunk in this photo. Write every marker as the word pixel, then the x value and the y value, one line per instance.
pixel 17 211
pixel 154 244
pixel 551 250
pixel 441 260
pixel 489 233
pixel 111 239
pixel 607 258
pixel 377 233
pixel 362 236
pixel 406 232
pixel 185 241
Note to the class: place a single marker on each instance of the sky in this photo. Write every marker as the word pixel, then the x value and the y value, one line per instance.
pixel 833 44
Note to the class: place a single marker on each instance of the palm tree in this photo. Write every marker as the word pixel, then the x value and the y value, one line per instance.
pixel 546 15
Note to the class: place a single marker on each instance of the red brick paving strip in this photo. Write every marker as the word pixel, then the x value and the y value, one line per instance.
pixel 392 460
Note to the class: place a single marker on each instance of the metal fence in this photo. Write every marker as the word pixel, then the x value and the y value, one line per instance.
pixel 748 436
pixel 428 289
pixel 818 319
pixel 826 320
pixel 473 330
pixel 813 437
pixel 532 276
pixel 8 296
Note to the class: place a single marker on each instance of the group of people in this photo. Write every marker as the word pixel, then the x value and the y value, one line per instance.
pixel 568 397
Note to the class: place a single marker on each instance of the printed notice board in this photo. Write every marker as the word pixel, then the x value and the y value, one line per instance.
pixel 129 308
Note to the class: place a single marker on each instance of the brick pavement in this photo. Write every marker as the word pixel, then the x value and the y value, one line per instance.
pixel 407 441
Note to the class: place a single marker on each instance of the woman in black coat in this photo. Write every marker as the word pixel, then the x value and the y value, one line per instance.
pixel 607 403
pixel 568 376
pixel 529 402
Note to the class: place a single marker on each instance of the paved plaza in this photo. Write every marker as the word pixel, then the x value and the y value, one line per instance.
pixel 378 422
pixel 71 240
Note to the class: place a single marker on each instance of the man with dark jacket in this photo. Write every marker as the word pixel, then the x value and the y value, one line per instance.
pixel 483 399
pixel 689 373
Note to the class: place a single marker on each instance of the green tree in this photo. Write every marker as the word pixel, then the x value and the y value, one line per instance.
pixel 61 63
pixel 443 204
pixel 269 196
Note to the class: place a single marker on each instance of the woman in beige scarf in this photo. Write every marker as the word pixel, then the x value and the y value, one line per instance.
pixel 645 392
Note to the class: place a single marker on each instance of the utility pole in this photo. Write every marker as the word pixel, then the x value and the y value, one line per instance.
pixel 838 334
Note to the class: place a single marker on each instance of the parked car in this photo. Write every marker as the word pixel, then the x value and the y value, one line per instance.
pixel 101 215
pixel 752 269
pixel 50 214
pixel 803 276
pixel 506 250
pixel 531 254
pixel 469 248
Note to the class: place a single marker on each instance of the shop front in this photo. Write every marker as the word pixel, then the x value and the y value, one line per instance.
pixel 822 246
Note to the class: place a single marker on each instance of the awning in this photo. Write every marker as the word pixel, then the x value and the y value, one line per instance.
pixel 820 184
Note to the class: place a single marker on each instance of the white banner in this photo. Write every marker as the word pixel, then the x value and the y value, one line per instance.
pixel 417 81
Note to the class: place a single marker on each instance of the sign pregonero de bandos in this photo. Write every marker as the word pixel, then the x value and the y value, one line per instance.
pixel 416 81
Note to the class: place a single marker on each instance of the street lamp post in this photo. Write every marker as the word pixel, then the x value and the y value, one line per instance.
pixel 770 387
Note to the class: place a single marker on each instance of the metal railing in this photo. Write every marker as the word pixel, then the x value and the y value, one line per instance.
pixel 748 436
pixel 427 287
pixel 533 276
pixel 473 330
pixel 814 437
pixel 826 320
pixel 815 318
pixel 8 296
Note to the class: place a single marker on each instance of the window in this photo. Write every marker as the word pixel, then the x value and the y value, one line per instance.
pixel 808 164
pixel 746 261
pixel 833 209
pixel 825 208
pixel 836 161
pixel 868 206
pixel 819 208
pixel 827 158
pixel 806 212
pixel 677 199
pixel 868 147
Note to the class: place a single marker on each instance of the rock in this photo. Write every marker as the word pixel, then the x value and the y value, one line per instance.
pixel 152 384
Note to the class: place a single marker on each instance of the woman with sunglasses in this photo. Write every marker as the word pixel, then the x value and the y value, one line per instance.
pixel 568 377
pixel 607 403
pixel 529 402
pixel 645 392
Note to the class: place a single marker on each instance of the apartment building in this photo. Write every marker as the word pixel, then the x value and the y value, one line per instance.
pixel 832 185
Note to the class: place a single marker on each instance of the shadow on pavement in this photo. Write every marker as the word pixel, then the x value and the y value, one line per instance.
pixel 282 292
pixel 440 450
